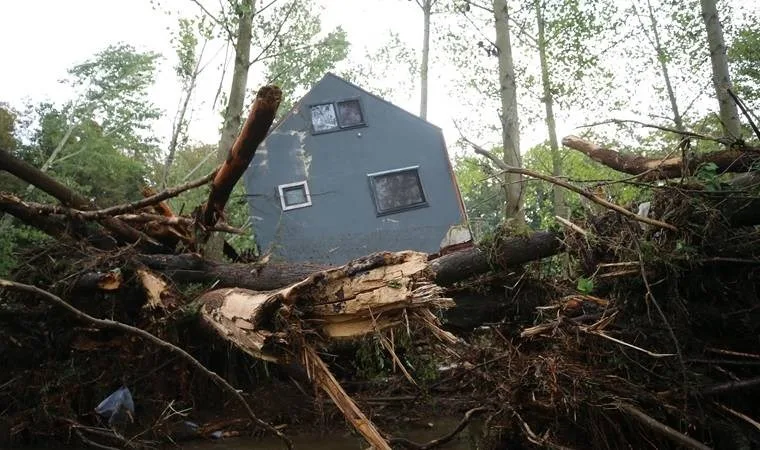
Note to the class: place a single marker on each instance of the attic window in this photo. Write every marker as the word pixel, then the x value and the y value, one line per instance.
pixel 323 118
pixel 397 190
pixel 350 113
pixel 328 117
pixel 294 195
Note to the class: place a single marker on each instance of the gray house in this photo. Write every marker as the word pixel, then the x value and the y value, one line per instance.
pixel 345 174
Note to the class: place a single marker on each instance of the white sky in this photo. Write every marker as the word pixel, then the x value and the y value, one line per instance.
pixel 41 39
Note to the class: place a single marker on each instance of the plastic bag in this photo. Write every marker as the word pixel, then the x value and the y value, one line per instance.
pixel 118 407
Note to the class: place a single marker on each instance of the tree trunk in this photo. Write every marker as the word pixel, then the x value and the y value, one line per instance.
pixel 721 78
pixel 68 197
pixel 232 168
pixel 447 269
pixel 180 118
pixel 551 125
pixel 234 110
pixel 427 6
pixel 661 58
pixel 509 118
pixel 737 160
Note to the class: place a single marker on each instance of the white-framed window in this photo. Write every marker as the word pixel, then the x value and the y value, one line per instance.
pixel 397 190
pixel 334 116
pixel 294 195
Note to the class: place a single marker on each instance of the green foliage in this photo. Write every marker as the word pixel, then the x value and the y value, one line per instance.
pixel 585 285
pixel 302 57
pixel 744 54
pixel 13 239
pixel 113 89
pixel 483 194
pixel 8 140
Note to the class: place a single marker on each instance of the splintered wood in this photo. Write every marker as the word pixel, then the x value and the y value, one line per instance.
pixel 366 296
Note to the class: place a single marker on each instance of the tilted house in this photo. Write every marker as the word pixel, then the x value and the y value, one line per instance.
pixel 345 174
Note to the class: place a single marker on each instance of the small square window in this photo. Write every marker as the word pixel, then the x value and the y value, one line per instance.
pixel 294 195
pixel 323 118
pixel 350 113
pixel 397 190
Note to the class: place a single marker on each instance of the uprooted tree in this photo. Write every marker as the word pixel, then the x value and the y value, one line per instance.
pixel 645 352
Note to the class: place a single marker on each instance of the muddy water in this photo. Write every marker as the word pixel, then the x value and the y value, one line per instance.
pixel 466 440
pixel 432 429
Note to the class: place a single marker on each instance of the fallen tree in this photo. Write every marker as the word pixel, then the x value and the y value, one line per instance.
pixel 550 371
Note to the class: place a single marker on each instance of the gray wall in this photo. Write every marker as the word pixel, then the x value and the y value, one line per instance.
pixel 342 222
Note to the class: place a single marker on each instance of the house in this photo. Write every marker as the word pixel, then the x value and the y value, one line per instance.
pixel 345 173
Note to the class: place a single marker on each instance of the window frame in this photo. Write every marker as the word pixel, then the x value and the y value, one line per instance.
pixel 340 126
pixel 281 190
pixel 373 191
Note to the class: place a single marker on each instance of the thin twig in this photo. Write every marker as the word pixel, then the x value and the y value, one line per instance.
pixel 153 199
pixel 650 296
pixel 746 113
pixel 722 388
pixel 571 225
pixel 114 325
pixel 662 428
pixel 742 416
pixel 658 127
pixel 177 220
pixel 652 354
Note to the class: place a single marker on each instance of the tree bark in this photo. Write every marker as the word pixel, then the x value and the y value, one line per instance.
pixel 736 160
pixel 235 99
pixel 427 6
pixel 34 176
pixel 661 58
pixel 509 113
pixel 447 269
pixel 721 78
pixel 560 208
pixel 253 133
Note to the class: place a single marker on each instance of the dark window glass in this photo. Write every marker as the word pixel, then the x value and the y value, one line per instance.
pixel 396 191
pixel 295 195
pixel 323 118
pixel 350 113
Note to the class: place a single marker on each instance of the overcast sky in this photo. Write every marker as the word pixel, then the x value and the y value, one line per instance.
pixel 41 39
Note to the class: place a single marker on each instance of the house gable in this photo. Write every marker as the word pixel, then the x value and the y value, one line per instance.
pixel 342 218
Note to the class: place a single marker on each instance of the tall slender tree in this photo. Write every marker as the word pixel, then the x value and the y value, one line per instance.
pixel 721 77
pixel 509 115
pixel 263 33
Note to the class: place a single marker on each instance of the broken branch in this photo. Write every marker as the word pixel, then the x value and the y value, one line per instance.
pixel 656 425
pixel 600 201
pixel 114 325
pixel 68 197
pixel 735 160
pixel 253 133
